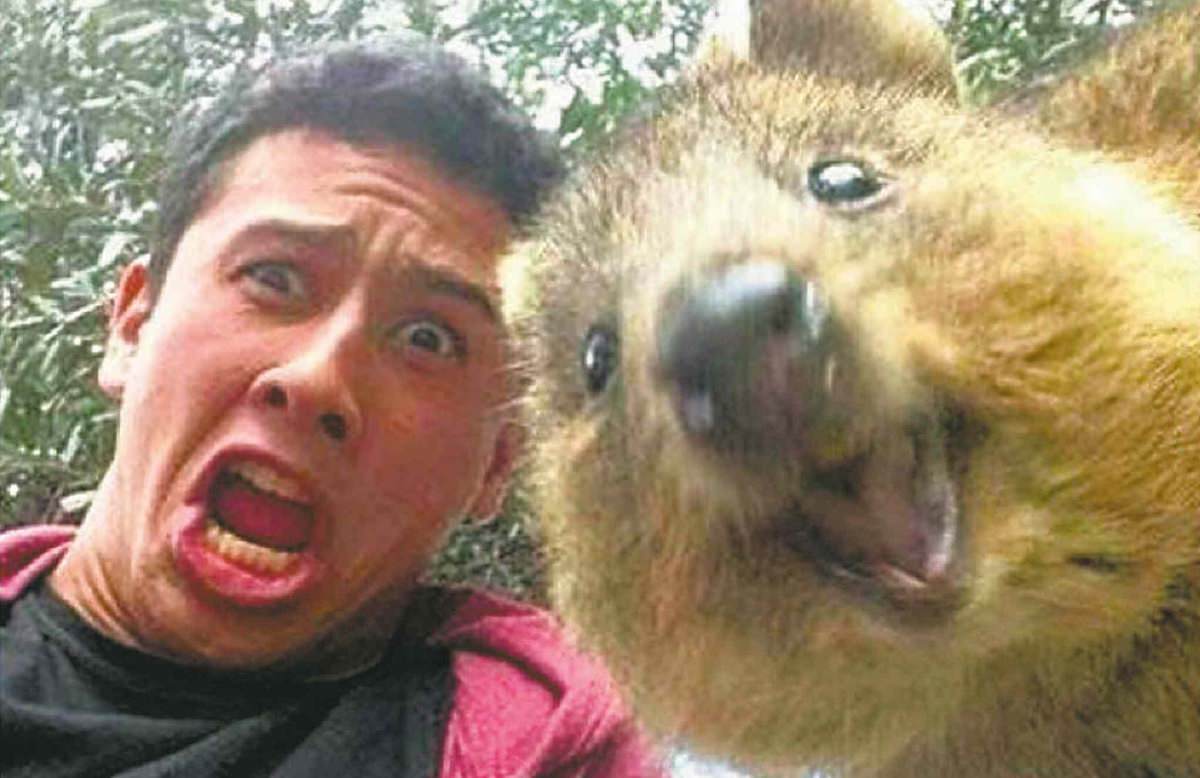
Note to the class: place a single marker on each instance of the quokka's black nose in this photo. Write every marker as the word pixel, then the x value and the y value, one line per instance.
pixel 743 351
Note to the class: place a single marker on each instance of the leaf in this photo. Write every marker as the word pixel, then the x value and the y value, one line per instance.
pixel 113 247
pixel 133 37
pixel 5 396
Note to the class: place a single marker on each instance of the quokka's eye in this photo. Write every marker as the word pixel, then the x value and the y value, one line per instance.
pixel 599 358
pixel 843 182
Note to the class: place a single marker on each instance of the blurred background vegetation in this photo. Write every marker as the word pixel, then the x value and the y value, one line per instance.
pixel 89 90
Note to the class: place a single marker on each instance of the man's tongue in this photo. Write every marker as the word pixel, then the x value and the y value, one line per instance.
pixel 260 517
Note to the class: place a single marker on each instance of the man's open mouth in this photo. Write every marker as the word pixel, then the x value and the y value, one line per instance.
pixel 887 523
pixel 257 517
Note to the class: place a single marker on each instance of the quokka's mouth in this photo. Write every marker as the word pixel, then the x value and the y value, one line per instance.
pixel 888 523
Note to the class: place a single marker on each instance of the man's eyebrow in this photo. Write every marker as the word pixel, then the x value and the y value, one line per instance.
pixel 443 281
pixel 308 232
pixel 435 278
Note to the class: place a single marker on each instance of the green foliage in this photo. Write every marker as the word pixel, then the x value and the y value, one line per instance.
pixel 89 88
pixel 499 554
pixel 1002 45
pixel 585 62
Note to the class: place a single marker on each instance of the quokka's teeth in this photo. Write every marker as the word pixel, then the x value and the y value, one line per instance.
pixel 245 553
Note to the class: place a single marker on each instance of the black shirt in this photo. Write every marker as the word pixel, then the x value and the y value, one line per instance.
pixel 74 703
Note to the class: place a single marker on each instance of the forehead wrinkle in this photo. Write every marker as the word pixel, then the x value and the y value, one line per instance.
pixel 418 250
pixel 435 209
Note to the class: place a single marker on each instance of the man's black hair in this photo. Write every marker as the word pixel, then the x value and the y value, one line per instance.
pixel 402 91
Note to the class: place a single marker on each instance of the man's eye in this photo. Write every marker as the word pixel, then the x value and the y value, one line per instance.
pixel 280 277
pixel 430 337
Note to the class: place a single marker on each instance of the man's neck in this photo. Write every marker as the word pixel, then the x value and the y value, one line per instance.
pixel 82 582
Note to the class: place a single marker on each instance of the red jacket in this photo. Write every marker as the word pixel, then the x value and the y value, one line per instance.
pixel 527 705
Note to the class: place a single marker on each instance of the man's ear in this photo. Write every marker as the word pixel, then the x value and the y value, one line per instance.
pixel 505 453
pixel 131 308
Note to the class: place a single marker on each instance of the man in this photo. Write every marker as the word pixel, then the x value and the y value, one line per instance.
pixel 310 373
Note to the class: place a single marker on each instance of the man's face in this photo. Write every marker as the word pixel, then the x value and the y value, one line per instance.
pixel 311 403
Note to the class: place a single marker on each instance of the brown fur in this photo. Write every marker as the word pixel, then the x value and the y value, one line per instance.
pixel 861 41
pixel 1027 301
pixel 1137 100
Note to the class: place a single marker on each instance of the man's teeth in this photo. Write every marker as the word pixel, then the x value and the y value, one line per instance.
pixel 244 552
pixel 266 479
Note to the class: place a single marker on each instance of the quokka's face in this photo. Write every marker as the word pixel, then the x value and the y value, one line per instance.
pixel 837 396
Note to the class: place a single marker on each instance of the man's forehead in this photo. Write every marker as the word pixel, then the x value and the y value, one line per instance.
pixel 299 163
pixel 307 188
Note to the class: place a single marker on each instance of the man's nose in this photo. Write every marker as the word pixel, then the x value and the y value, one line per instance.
pixel 313 385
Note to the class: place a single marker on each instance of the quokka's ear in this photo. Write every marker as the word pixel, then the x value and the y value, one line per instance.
pixel 867 42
